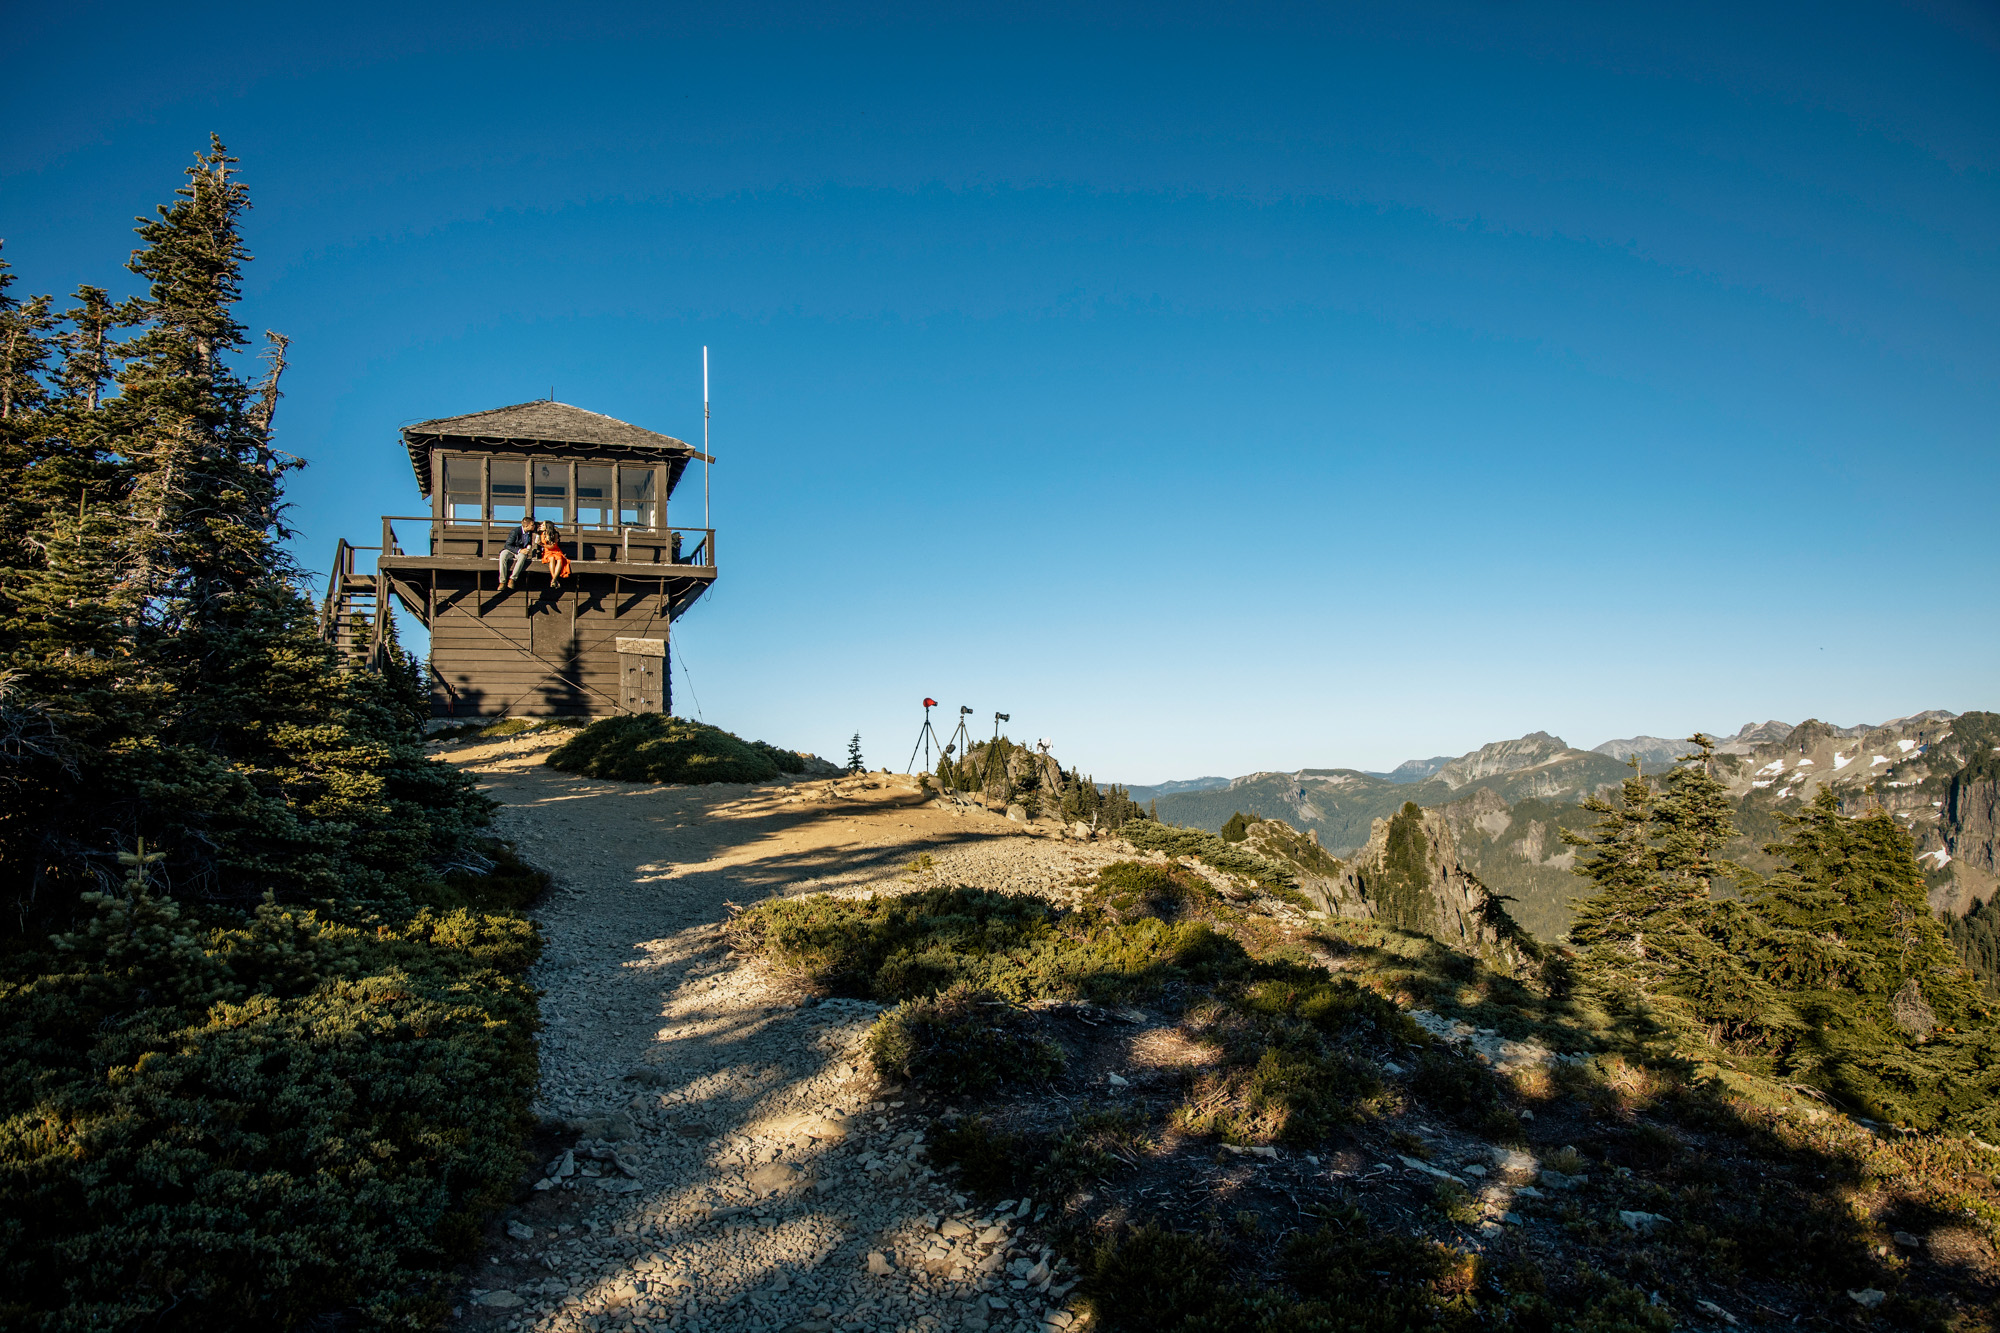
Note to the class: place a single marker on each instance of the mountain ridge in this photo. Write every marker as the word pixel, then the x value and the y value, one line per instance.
pixel 1508 802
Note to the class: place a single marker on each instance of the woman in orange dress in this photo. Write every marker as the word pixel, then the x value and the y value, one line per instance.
pixel 552 553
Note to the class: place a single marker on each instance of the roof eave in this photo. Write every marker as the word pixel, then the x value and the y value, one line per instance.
pixel 421 443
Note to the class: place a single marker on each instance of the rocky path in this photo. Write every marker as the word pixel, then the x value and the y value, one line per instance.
pixel 716 1158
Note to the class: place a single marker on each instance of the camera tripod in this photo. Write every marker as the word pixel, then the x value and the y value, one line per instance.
pixel 961 742
pixel 925 740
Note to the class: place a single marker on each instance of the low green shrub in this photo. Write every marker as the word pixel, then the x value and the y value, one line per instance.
pixel 494 879
pixel 842 944
pixel 1153 1279
pixel 1049 1166
pixel 1013 945
pixel 1385 1282
pixel 962 1040
pixel 1128 890
pixel 1455 1086
pixel 1456 1202
pixel 1098 1145
pixel 1290 1070
pixel 1268 875
pixel 1342 1278
pixel 658 747
pixel 1285 1095
pixel 207 1126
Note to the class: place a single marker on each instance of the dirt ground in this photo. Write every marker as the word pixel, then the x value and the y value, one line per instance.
pixel 730 1164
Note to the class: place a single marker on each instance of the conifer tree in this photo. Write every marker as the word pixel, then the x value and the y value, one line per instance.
pixel 1889 1019
pixel 24 347
pixel 1694 818
pixel 87 347
pixel 205 485
pixel 1618 859
pixel 1652 930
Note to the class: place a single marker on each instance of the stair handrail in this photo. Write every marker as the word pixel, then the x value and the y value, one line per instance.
pixel 343 561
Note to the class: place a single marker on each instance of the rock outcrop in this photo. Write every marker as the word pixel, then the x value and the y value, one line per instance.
pixel 1409 876
pixel 1018 768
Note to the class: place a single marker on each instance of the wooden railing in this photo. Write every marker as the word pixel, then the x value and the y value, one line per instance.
pixel 693 547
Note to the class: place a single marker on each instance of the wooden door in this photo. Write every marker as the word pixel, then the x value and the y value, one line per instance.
pixel 642 670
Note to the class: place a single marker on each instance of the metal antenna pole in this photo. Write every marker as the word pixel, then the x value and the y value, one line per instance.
pixel 706 520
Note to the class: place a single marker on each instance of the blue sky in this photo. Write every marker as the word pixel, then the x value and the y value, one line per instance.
pixel 1213 391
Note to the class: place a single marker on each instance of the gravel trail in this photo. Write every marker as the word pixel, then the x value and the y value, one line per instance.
pixel 717 1156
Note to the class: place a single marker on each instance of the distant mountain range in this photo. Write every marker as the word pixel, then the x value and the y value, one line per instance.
pixel 1507 802
pixel 1342 804
pixel 1413 770
pixel 1145 794
pixel 1650 749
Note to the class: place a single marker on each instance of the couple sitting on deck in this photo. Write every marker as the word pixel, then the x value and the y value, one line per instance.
pixel 530 541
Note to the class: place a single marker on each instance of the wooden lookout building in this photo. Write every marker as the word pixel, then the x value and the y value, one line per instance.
pixel 592 645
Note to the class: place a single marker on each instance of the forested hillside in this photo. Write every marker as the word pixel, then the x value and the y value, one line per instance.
pixel 1509 803
pixel 266 1044
pixel 1829 970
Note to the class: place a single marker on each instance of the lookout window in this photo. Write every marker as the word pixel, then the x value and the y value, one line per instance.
pixel 593 497
pixel 463 501
pixel 510 490
pixel 552 492
pixel 637 496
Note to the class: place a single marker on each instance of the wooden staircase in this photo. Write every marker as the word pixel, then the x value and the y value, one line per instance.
pixel 352 616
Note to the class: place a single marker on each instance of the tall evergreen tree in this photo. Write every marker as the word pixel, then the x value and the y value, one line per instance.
pixel 1694 819
pixel 24 347
pixel 160 677
pixel 1652 931
pixel 205 484
pixel 1617 858
pixel 1890 1019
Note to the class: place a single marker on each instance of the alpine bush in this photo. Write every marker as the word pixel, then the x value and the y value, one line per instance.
pixel 962 1040
pixel 658 747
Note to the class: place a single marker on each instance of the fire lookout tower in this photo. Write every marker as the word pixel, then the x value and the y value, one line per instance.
pixel 590 645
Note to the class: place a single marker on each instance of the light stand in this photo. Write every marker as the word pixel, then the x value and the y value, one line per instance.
pixel 961 743
pixel 925 740
pixel 993 751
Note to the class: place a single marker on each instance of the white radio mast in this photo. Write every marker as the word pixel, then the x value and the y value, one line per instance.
pixel 706 521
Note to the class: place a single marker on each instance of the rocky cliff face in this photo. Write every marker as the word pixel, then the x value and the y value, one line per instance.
pixel 1969 834
pixel 1537 766
pixel 1972 820
pixel 1409 875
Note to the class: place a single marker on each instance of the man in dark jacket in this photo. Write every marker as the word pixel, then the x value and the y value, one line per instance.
pixel 520 549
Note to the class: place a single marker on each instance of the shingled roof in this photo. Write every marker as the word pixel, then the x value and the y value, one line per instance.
pixel 542 421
